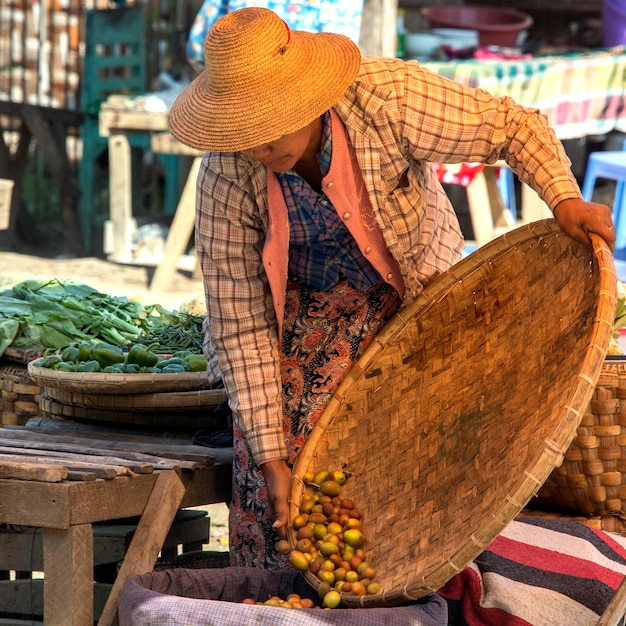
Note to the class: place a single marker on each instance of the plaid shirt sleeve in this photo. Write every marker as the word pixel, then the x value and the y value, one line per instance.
pixel 230 234
pixel 401 118
pixel 443 121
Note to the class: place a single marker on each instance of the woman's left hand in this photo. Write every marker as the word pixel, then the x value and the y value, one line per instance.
pixel 577 218
pixel 277 476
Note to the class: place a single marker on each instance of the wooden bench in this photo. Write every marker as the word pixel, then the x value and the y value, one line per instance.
pixel 46 485
pixel 21 552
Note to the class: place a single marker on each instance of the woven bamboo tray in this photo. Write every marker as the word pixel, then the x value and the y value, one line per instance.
pixel 164 401
pixel 464 403
pixel 105 383
pixel 592 479
pixel 198 418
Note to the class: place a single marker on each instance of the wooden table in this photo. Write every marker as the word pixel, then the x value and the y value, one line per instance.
pixel 38 491
pixel 119 118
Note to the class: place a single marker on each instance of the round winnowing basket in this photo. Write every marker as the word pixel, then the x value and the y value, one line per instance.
pixel 108 383
pixel 592 477
pixel 460 408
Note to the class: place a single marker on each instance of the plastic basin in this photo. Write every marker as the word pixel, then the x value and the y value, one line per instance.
pixel 496 27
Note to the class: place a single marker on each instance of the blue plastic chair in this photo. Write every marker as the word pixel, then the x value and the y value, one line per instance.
pixel 611 165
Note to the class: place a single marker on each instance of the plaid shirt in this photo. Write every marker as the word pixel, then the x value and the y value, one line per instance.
pixel 398 117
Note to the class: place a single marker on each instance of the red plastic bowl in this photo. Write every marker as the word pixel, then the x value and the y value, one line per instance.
pixel 496 27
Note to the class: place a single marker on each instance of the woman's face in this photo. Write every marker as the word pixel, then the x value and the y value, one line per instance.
pixel 283 153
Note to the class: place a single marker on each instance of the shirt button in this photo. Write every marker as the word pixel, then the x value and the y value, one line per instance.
pixel 346 215
pixel 389 276
pixel 368 249
pixel 330 184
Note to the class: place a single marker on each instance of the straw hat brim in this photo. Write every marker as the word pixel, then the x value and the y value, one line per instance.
pixel 317 70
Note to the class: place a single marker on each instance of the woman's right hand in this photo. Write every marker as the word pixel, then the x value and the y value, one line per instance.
pixel 277 476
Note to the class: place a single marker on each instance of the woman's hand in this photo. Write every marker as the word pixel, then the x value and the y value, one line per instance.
pixel 277 477
pixel 577 218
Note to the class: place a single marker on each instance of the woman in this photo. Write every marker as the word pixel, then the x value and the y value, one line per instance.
pixel 319 216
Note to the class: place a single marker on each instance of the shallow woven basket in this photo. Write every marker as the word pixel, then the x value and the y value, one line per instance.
pixel 105 383
pixel 463 404
pixel 165 401
pixel 592 478
pixel 200 418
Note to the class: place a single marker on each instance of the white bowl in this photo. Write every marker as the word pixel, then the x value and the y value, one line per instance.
pixel 457 38
pixel 421 44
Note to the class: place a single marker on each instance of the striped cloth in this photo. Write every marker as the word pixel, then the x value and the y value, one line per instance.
pixel 580 93
pixel 539 572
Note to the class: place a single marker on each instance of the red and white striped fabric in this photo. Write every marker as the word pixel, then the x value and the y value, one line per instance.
pixel 539 572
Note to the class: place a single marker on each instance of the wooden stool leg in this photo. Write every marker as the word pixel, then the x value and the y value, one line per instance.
pixel 164 502
pixel 533 207
pixel 122 224
pixel 68 587
pixel 480 209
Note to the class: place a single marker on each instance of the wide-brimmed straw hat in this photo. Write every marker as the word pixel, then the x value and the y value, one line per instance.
pixel 261 81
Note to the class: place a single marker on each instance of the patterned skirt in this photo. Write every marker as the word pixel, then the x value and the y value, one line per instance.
pixel 323 333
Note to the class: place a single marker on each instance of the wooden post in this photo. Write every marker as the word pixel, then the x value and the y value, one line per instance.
pixel 68 593
pixel 379 28
pixel 155 523
pixel 122 224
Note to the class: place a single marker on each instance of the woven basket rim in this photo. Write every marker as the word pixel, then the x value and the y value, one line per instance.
pixel 160 401
pixel 552 454
pixel 109 383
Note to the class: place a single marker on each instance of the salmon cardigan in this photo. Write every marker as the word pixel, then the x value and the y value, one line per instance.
pixel 345 188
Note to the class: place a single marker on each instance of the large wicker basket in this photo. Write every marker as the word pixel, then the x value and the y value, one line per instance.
pixel 464 403
pixel 592 479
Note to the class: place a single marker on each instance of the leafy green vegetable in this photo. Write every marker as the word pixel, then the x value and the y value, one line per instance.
pixel 55 313
pixel 8 332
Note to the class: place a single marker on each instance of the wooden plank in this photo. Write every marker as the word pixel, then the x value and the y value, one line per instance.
pixel 165 143
pixel 91 436
pixel 45 444
pixel 83 456
pixel 147 542
pixel 32 503
pixel 81 475
pixel 68 576
pixel 58 505
pixel 126 495
pixel 112 121
pixel 101 470
pixel 44 472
